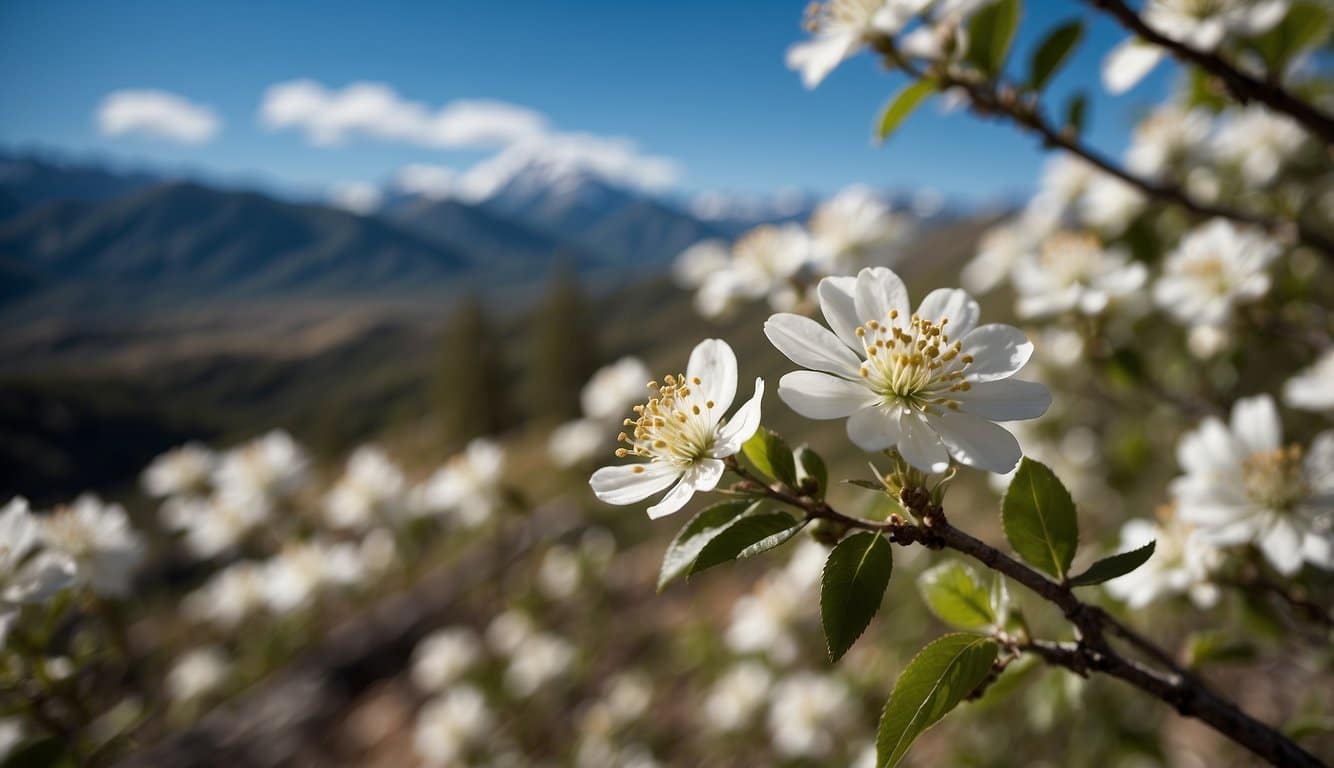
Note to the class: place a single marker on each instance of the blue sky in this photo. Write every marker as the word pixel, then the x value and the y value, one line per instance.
pixel 700 83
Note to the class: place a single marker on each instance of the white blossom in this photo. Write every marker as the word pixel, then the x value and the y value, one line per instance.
pixel 841 28
pixel 1074 272
pixel 614 388
pixel 229 596
pixel 184 471
pixel 372 489
pixel 931 383
pixel 198 673
pixel 271 466
pixel 855 229
pixel 216 524
pixel 26 575
pixel 682 433
pixel 469 485
pixel 1258 141
pixel 540 658
pixel 558 574
pixel 1110 204
pixel 694 265
pixel 577 442
pixel 442 657
pixel 1312 389
pixel 1243 486
pixel 805 714
pixel 735 697
pixel 765 261
pixel 1168 136
pixel 97 536
pixel 451 724
pixel 999 251
pixel 1212 270
pixel 1182 563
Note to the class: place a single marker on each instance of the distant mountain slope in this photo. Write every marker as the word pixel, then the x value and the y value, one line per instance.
pixel 183 240
pixel 486 237
pixel 27 179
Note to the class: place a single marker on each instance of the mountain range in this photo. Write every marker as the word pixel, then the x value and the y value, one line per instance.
pixel 76 236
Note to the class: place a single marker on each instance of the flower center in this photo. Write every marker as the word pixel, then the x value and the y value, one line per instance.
pixel 918 367
pixel 675 426
pixel 1210 271
pixel 1275 479
pixel 840 13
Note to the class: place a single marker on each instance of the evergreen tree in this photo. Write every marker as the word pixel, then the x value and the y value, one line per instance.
pixel 470 388
pixel 561 354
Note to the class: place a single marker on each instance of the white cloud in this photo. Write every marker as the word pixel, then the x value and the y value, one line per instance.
pixel 357 197
pixel 157 114
pixel 377 111
pixel 435 182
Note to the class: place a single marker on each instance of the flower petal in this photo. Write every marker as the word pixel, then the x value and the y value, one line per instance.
pixel 632 483
pixel 1128 63
pixel 741 426
pixel 1255 424
pixel 977 442
pixel 920 445
pixel 811 345
pixel 838 303
pixel 998 352
pixel 874 428
pixel 714 363
pixel 1005 400
pixel 817 57
pixel 821 396
pixel 1282 546
pixel 952 303
pixel 703 476
pixel 879 292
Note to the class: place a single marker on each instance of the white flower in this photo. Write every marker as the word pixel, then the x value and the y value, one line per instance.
pixel 98 538
pixel 736 696
pixel 227 598
pixel 682 433
pixel 1243 486
pixel 929 382
pixel 443 657
pixel 855 229
pixel 1072 271
pixel 370 490
pixel 271 466
pixel 1128 63
pixel 805 715
pixel 1166 137
pixel 1000 249
pixel 197 673
pixel 293 577
pixel 1259 141
pixel 761 621
pixel 1182 562
pixel 1312 389
pixel 540 658
pixel 11 735
pixel 614 388
pixel 1110 204
pixel 577 442
pixel 841 28
pixel 764 262
pixel 558 575
pixel 184 471
pixel 214 525
pixel 695 264
pixel 26 575
pixel 469 485
pixel 449 725
pixel 1214 268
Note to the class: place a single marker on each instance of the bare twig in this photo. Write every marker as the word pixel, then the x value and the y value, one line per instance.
pixel 1243 86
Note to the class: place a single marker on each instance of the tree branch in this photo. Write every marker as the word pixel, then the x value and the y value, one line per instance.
pixel 1242 85
pixel 989 98
pixel 1170 683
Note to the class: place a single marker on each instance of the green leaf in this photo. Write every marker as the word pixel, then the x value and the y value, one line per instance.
pixel 956 595
pixel 1305 26
pixel 1039 519
pixel 1076 112
pixel 739 537
pixel 692 537
pixel 1213 647
pixel 812 474
pixel 771 455
pixel 1052 53
pixel 1111 567
pixel 867 484
pixel 855 577
pixel 902 105
pixel 990 33
pixel 943 674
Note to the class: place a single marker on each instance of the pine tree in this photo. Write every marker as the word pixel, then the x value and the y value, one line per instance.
pixel 561 354
pixel 470 387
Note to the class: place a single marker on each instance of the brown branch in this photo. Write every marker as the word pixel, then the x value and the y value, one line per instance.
pixel 1169 683
pixel 988 98
pixel 1242 85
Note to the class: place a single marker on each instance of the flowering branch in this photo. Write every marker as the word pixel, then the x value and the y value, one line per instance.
pixel 1093 652
pixel 1243 86
pixel 988 97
